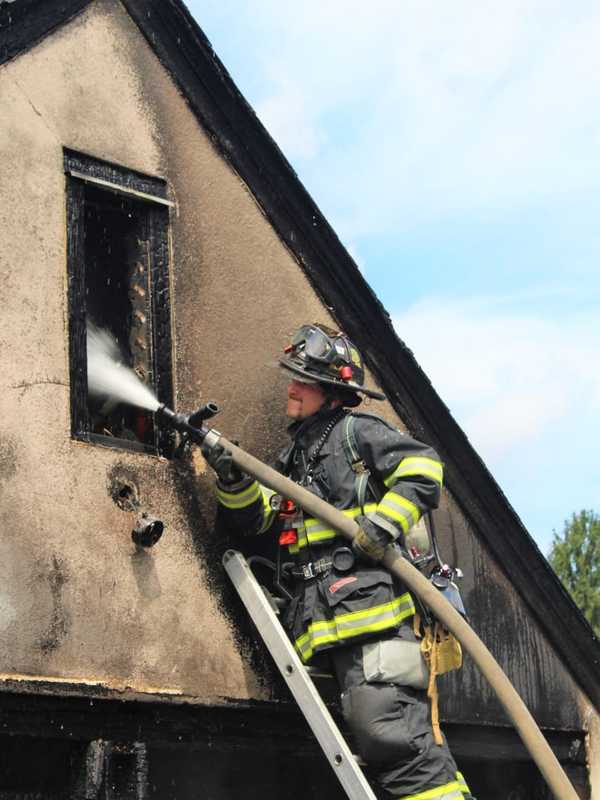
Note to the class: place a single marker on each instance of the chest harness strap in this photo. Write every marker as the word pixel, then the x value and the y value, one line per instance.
pixel 362 480
pixel 289 514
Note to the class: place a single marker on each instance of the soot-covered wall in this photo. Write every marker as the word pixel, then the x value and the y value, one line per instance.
pixel 79 603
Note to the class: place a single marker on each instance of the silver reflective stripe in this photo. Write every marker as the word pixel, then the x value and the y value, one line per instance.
pixel 354 623
pixel 400 510
pixel 317 531
pixel 353 626
pixel 416 466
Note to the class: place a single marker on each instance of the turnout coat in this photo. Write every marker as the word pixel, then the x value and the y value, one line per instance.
pixel 337 599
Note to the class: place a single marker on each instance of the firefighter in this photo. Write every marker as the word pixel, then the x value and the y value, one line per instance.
pixel 345 605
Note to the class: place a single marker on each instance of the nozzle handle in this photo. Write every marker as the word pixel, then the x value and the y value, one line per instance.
pixel 207 411
pixel 181 423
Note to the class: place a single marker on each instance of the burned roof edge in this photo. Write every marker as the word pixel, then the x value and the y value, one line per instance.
pixel 23 23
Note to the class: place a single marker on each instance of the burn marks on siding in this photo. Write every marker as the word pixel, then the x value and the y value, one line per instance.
pixel 60 619
pixel 8 457
pixel 122 486
pixel 210 539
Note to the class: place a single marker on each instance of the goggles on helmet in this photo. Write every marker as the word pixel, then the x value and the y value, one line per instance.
pixel 318 346
pixel 319 354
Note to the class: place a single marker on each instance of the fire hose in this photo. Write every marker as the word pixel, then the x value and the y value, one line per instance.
pixel 513 705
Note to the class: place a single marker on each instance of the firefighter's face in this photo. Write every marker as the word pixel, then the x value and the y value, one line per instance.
pixel 304 399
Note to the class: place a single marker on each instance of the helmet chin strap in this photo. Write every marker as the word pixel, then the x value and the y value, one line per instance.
pixel 333 398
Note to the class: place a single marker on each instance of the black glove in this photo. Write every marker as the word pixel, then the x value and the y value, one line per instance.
pixel 222 463
pixel 371 541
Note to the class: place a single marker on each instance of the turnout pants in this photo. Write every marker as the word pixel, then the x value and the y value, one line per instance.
pixel 391 727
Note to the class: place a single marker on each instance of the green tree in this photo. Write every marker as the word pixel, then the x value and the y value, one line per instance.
pixel 575 557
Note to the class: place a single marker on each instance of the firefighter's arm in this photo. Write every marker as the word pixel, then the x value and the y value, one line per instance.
pixel 242 502
pixel 410 472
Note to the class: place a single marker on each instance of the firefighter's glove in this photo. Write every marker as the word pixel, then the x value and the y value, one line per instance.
pixel 222 463
pixel 371 541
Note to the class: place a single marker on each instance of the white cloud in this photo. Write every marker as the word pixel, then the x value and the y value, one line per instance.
pixel 291 121
pixel 445 108
pixel 510 379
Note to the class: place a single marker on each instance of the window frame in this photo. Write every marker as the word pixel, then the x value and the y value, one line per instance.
pixel 80 170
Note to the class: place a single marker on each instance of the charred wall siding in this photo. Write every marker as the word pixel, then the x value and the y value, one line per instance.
pixel 111 750
pixel 79 602
pixel 515 638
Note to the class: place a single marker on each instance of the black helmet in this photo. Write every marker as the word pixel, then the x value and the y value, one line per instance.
pixel 318 354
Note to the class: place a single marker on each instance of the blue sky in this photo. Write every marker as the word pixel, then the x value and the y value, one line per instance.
pixel 455 148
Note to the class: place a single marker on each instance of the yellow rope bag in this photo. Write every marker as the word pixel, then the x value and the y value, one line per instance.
pixel 442 653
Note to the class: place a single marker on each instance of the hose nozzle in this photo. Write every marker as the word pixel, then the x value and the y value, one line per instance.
pixel 147 531
pixel 207 411
pixel 191 425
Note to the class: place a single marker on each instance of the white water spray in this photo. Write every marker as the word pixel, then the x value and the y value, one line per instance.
pixel 107 375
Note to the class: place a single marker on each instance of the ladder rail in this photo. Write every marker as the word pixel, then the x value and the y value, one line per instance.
pixel 295 674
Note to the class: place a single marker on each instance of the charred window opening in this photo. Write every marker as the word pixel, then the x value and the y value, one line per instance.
pixel 118 282
pixel 118 301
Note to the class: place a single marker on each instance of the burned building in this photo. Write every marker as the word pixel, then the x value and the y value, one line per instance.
pixel 141 194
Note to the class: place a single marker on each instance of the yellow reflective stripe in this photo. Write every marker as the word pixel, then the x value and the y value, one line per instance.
pixel 316 524
pixel 395 517
pixel 317 531
pixel 404 600
pixel 305 650
pixel 417 465
pixel 354 623
pixel 322 536
pixel 302 541
pixel 460 779
pixel 239 499
pixel 449 791
pixel 314 642
pixel 399 509
pixel 268 512
pixel 267 494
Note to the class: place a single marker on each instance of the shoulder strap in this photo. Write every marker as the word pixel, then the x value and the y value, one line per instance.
pixel 359 466
pixel 363 481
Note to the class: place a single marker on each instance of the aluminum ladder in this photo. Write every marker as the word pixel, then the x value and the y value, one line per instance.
pixel 297 677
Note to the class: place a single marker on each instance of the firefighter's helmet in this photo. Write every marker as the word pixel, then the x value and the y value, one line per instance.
pixel 319 354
